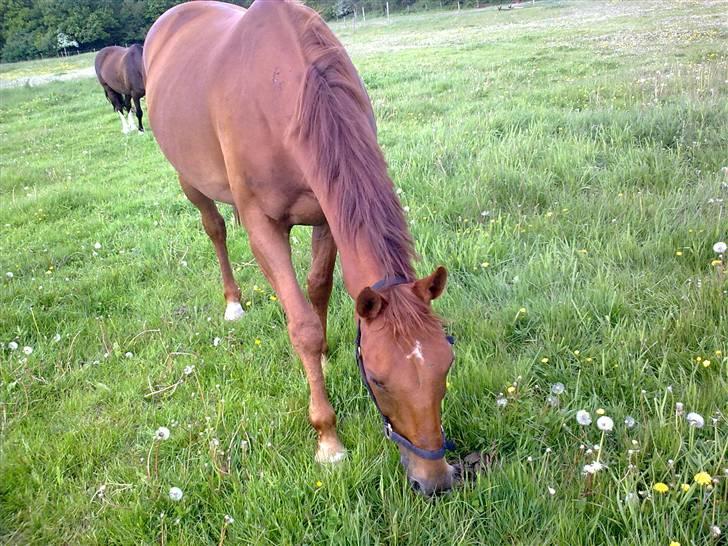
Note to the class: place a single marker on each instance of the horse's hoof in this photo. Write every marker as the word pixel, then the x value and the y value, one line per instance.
pixel 330 453
pixel 233 311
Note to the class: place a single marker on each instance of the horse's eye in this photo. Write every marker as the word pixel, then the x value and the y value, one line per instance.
pixel 377 383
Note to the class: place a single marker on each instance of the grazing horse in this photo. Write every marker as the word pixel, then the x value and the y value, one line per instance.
pixel 263 109
pixel 120 71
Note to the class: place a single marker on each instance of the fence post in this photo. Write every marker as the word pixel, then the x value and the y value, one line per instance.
pixel 363 15
pixel 387 10
pixel 458 5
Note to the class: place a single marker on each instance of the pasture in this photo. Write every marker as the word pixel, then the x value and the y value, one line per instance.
pixel 568 163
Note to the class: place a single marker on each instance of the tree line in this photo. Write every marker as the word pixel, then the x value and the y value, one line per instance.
pixel 43 28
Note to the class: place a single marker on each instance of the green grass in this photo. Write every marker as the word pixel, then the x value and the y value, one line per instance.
pixel 575 148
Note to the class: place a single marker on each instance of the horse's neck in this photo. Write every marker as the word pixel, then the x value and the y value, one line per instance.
pixel 359 265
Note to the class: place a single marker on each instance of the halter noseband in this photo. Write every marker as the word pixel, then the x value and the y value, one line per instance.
pixel 389 431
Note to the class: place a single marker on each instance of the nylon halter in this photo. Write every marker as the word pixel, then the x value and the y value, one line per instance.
pixel 389 432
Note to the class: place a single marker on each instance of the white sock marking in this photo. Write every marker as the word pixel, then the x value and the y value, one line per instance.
pixel 124 125
pixel 234 311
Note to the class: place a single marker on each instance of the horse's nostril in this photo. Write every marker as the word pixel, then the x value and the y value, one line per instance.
pixel 415 485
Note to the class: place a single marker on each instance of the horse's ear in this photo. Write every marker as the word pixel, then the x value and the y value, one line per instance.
pixel 369 304
pixel 429 288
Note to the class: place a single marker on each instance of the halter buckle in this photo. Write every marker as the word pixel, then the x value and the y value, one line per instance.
pixel 388 430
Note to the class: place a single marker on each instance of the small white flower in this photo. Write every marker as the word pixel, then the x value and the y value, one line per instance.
pixel 28 350
pixel 557 388
pixel 229 520
pixel 97 245
pixel 529 459
pixel 715 531
pixel 583 418
pixel 183 263
pixel 188 370
pixel 244 445
pixel 9 275
pixel 552 400
pixel 695 419
pixel 128 354
pixel 406 208
pixel 214 442
pixel 501 401
pixel 12 345
pixel 592 468
pixel 720 247
pixel 162 434
pixel 216 342
pixel 629 421
pixel 551 491
pixel 175 494
pixel 57 338
pixel 669 389
pixel 399 191
pixel 679 408
pixel 605 423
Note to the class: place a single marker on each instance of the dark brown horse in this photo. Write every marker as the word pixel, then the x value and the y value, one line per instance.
pixel 264 110
pixel 120 71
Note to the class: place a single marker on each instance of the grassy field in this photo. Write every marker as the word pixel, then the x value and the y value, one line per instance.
pixel 566 162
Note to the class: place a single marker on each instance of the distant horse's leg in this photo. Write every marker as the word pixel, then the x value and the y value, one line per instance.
pixel 138 108
pixel 129 113
pixel 269 241
pixel 117 101
pixel 215 227
pixel 321 276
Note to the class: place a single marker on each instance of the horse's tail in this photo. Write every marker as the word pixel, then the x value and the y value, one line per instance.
pixel 334 118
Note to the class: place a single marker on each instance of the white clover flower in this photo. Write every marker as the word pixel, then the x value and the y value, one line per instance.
pixel 583 418
pixel 216 342
pixel 175 494
pixel 229 520
pixel 9 275
pixel 28 350
pixel 695 419
pixel 128 354
pixel 501 401
pixel 720 247
pixel 162 433
pixel 188 370
pixel 551 491
pixel 244 445
pixel 629 421
pixel 605 423
pixel 97 245
pixel 57 338
pixel 406 208
pixel 12 346
pixel 679 408
pixel 715 531
pixel 557 388
pixel 183 263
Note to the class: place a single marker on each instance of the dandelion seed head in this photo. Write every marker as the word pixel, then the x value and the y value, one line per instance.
pixel 583 417
pixel 695 419
pixel 501 401
pixel 28 350
pixel 715 531
pixel 228 520
pixel 557 389
pixel 161 434
pixel 13 346
pixel 175 494
pixel 97 245
pixel 679 408
pixel 9 275
pixel 216 342
pixel 720 247
pixel 188 370
pixel 629 421
pixel 605 423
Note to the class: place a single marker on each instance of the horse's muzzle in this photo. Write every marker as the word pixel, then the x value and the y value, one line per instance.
pixel 429 478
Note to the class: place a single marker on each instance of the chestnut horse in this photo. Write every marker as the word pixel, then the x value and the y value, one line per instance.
pixel 120 72
pixel 263 109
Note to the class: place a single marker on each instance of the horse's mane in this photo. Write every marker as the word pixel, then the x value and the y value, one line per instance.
pixel 334 117
pixel 408 314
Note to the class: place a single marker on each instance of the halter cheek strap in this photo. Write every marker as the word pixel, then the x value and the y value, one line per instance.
pixel 389 432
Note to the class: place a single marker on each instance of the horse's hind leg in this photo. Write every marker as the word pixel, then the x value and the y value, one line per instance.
pixel 321 276
pixel 214 225
pixel 138 108
pixel 129 112
pixel 269 241
pixel 117 101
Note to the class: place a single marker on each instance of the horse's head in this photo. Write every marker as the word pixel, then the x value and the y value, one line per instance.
pixel 406 358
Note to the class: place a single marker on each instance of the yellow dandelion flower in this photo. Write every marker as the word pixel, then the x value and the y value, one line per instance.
pixel 718 353
pixel 715 262
pixel 706 363
pixel 577 352
pixel 678 253
pixel 248 303
pixel 698 358
pixel 600 411
pixel 258 342
pixel 484 264
pixel 273 298
pixel 661 488
pixel 544 360
pixel 319 483
pixel 511 389
pixel 702 478
pixel 674 543
pixel 685 487
pixel 522 310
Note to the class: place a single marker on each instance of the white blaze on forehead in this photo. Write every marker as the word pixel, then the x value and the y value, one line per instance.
pixel 416 352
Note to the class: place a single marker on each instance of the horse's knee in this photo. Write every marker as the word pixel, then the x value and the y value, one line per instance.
pixel 319 287
pixel 307 335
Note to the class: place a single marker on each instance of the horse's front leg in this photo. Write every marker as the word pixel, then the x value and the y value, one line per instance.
pixel 270 244
pixel 321 276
